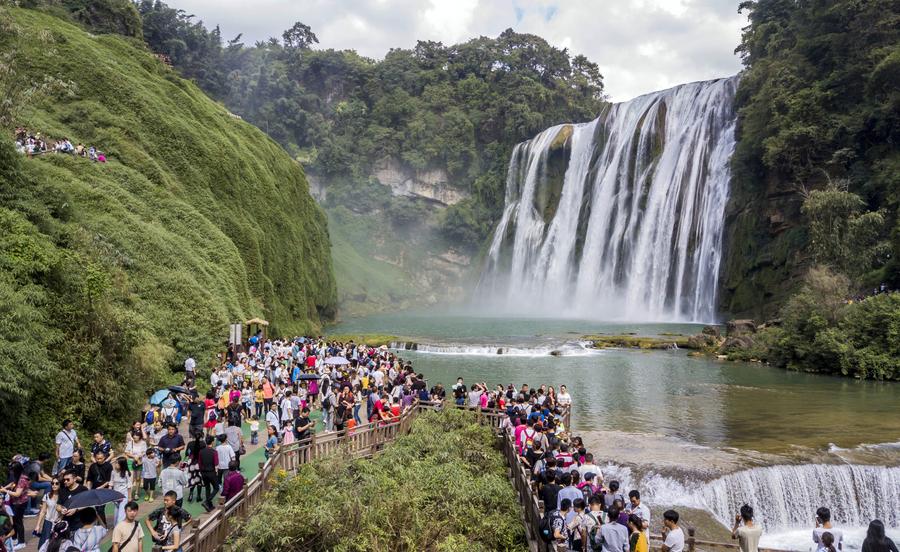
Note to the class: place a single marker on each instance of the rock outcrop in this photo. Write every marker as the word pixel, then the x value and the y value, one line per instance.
pixel 433 184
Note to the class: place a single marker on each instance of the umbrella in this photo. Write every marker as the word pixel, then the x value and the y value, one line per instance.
pixel 337 361
pixel 182 390
pixel 169 403
pixel 384 347
pixel 89 499
pixel 159 396
pixel 309 377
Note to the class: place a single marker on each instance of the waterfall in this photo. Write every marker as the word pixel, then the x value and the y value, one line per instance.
pixel 787 496
pixel 619 218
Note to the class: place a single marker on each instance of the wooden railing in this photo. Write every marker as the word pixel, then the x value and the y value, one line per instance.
pixel 366 440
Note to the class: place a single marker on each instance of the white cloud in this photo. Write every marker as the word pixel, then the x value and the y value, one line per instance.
pixel 640 45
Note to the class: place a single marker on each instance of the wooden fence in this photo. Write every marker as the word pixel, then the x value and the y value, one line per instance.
pixel 211 534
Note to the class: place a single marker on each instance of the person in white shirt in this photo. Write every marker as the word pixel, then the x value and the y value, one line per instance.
pixel 189 365
pixel 66 443
pixel 823 525
pixel 673 535
pixel 564 398
pixel 272 417
pixel 226 456
pixel 640 510
pixel 590 467
pixel 173 478
pixel 287 408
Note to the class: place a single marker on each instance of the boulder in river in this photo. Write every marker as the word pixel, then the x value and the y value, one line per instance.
pixel 736 328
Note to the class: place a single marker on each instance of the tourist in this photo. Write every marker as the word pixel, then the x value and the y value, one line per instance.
pixel 208 461
pixel 135 450
pixel 100 444
pixel 48 514
pixel 235 440
pixel 121 481
pixel 745 531
pixel 588 466
pixel 328 405
pixel 271 446
pixel 272 418
pixel 549 492
pixel 559 527
pixel 71 486
pixel 823 524
pixel 303 425
pixel 171 445
pixel 638 541
pixel 66 444
pixel 173 479
pixel 612 494
pixel 613 535
pixel 673 536
pixel 40 482
pixel 577 524
pixel 18 492
pixel 165 523
pixel 128 535
pixel 195 481
pixel 196 415
pixel 233 482
pixel 150 466
pixel 875 540
pixel 225 455
pixel 568 490
pixel 564 398
pixel 89 535
pixel 635 507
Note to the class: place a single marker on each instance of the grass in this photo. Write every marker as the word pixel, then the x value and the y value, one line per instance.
pixel 635 342
pixel 206 207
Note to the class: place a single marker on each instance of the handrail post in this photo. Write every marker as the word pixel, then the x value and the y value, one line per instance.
pixel 691 541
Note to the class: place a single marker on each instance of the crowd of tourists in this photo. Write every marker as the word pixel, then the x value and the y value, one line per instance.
pixel 277 386
pixel 33 143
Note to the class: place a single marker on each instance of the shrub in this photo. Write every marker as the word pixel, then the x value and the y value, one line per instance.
pixel 442 487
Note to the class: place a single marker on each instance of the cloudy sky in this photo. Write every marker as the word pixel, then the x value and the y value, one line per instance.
pixel 640 45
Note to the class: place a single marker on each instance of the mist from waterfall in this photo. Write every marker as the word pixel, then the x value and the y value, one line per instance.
pixel 631 226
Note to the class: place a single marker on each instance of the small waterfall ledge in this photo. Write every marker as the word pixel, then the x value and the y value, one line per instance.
pixel 620 218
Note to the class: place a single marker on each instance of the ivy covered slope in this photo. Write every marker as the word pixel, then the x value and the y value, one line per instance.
pixel 110 274
pixel 819 109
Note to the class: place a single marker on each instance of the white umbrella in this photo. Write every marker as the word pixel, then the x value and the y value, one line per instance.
pixel 337 361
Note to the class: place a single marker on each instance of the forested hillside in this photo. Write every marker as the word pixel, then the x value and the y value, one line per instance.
pixel 813 216
pixel 816 175
pixel 408 153
pixel 112 273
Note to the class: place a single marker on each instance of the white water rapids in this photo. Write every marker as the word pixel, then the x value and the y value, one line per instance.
pixel 633 229
pixel 784 497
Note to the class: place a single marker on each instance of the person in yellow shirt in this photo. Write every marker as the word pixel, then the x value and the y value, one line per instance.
pixel 637 539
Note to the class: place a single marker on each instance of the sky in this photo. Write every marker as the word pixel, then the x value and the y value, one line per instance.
pixel 640 45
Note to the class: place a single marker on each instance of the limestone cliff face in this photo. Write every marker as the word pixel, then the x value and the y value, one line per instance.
pixel 432 184
pixel 764 243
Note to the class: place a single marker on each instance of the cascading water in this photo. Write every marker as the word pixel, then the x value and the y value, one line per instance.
pixel 785 497
pixel 632 227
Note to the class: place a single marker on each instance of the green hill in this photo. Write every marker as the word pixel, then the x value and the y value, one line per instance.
pixel 110 274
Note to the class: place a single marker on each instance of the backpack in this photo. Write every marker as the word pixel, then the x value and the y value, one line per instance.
pixel 594 540
pixel 326 403
pixel 528 440
pixel 545 527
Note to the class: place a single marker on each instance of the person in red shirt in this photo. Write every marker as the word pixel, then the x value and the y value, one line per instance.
pixel 234 481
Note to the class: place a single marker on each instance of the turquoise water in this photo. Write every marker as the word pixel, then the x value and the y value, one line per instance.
pixel 668 394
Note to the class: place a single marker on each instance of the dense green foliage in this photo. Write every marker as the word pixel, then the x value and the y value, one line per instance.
pixel 821 331
pixel 443 487
pixel 818 102
pixel 460 108
pixel 110 274
pixel 817 184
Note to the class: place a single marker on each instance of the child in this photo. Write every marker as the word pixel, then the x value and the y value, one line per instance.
pixel 254 430
pixel 150 464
